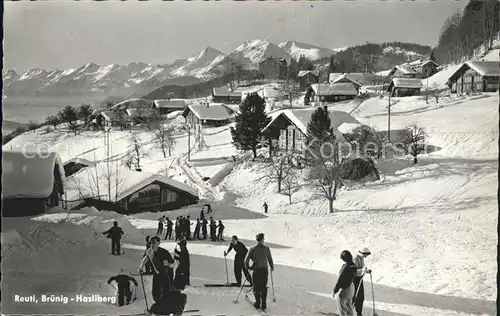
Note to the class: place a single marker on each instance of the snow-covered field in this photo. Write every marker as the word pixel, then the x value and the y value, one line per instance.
pixel 431 227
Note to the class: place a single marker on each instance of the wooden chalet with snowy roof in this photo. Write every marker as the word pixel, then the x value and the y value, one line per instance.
pixel 165 106
pixel 33 182
pixel 225 95
pixel 273 68
pixel 307 77
pixel 475 76
pixel 289 127
pixel 136 191
pixel 416 69
pixel 211 114
pixel 326 92
pixel 404 87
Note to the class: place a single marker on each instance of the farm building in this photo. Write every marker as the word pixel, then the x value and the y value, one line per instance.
pixel 225 95
pixel 330 92
pixel 273 68
pixel 74 165
pixel 404 87
pixel 207 114
pixel 131 191
pixel 32 183
pixel 289 127
pixel 169 105
pixel 307 77
pixel 110 119
pixel 416 69
pixel 475 76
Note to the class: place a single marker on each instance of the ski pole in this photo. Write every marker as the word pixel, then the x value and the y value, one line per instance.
pixel 144 290
pixel 373 295
pixel 225 262
pixel 241 290
pixel 272 285
pixel 359 286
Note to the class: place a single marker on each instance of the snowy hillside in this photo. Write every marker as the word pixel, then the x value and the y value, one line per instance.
pixel 311 52
pixel 431 226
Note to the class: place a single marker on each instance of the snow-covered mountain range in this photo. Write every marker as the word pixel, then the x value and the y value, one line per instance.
pixel 140 78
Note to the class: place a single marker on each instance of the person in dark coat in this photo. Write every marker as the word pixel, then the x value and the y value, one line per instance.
pixel 178 228
pixel 197 229
pixel 115 233
pixel 261 256
pixel 265 207
pixel 161 261
pixel 204 228
pixel 202 215
pixel 188 227
pixel 123 282
pixel 213 227
pixel 239 260
pixel 168 235
pixel 220 232
pixel 182 273
pixel 345 285
pixel 160 226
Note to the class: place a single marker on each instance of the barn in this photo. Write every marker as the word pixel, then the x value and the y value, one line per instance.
pixel 404 87
pixel 32 183
pixel 475 76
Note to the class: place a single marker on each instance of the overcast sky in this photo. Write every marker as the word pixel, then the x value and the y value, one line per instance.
pixel 61 34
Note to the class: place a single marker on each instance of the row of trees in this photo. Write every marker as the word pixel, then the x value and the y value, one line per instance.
pixel 326 168
pixel 464 31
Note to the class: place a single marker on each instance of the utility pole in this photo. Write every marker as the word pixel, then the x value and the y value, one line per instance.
pixel 189 143
pixel 389 119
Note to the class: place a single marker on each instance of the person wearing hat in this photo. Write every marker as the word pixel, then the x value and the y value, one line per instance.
pixel 345 286
pixel 182 275
pixel 361 269
pixel 260 255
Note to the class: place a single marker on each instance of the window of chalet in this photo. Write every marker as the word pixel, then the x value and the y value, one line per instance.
pixel 147 197
pixel 171 196
pixel 282 140
pixel 300 141
pixel 492 87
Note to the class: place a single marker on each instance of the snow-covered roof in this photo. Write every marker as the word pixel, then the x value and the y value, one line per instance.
pixel 485 68
pixel 110 115
pixel 348 77
pixel 124 182
pixel 301 117
pixel 213 111
pixel 334 89
pixel 29 175
pixel 79 161
pixel 302 73
pixel 407 83
pixel 224 91
pixel 333 76
pixel 170 104
pixel 406 69
pixel 269 92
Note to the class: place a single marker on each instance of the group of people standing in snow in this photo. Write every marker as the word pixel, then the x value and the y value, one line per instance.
pixel 182 228
pixel 349 285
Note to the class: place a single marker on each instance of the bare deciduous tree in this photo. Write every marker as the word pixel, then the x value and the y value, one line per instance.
pixel 326 174
pixel 290 183
pixel 413 141
pixel 164 139
pixel 137 150
pixel 289 90
pixel 278 167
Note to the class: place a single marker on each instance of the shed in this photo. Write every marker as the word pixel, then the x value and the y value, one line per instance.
pixel 403 87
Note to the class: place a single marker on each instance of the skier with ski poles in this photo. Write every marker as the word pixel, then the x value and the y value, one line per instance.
pixel 161 261
pixel 123 282
pixel 239 260
pixel 260 256
pixel 115 233
pixel 359 290
pixel 161 220
pixel 345 286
